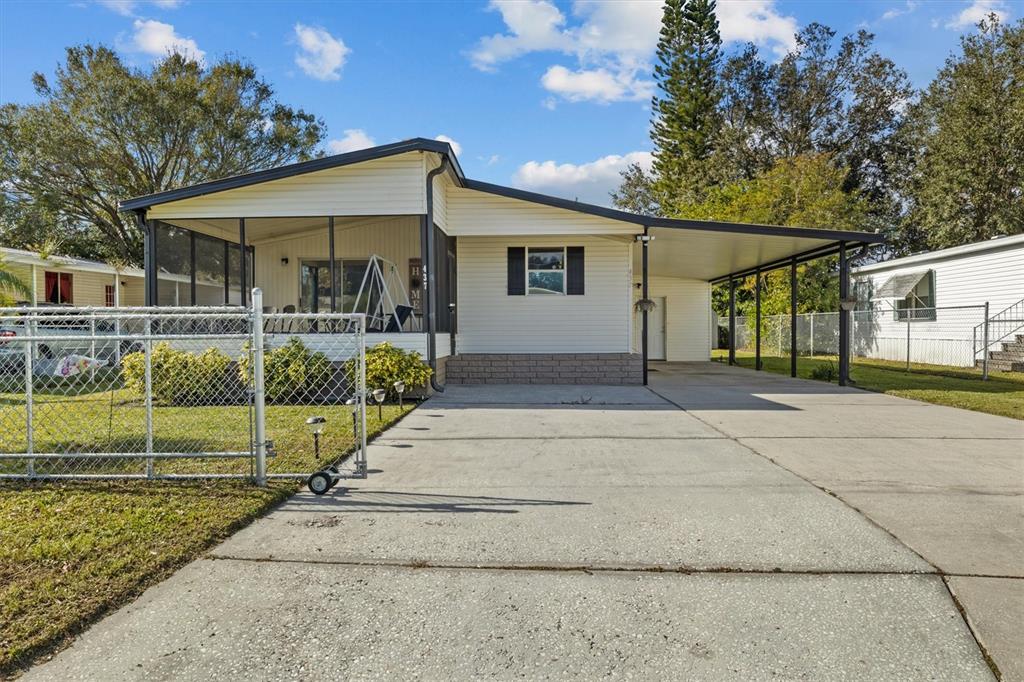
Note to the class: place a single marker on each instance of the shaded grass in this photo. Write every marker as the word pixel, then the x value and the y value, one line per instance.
pixel 1002 394
pixel 71 552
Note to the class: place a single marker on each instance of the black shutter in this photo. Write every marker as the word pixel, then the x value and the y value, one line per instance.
pixel 516 271
pixel 574 270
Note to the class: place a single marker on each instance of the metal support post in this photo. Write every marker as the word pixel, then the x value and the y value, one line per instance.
pixel 812 335
pixel 644 348
pixel 259 394
pixel 909 313
pixel 148 347
pixel 844 316
pixel 757 320
pixel 792 318
pixel 732 322
pixel 984 347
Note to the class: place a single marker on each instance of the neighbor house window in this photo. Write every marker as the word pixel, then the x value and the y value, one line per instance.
pixel 919 304
pixel 108 295
pixel 545 271
pixel 58 287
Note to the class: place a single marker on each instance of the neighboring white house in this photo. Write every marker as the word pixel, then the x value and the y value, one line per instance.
pixel 941 296
pixel 61 280
pixel 523 287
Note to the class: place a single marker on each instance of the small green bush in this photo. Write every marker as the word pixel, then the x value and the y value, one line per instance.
pixel 825 372
pixel 292 373
pixel 180 378
pixel 386 364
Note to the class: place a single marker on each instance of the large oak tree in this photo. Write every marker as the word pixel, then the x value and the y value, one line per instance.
pixel 103 131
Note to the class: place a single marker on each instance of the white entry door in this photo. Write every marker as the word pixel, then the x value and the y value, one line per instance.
pixel 656 329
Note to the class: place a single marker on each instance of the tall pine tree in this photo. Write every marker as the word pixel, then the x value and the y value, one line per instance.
pixel 686 116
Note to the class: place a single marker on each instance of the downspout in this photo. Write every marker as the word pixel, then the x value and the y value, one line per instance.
pixel 430 278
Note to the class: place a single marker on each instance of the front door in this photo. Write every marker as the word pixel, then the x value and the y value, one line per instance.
pixel 656 330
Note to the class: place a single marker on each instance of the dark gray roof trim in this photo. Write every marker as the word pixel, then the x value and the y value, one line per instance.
pixel 424 144
pixel 673 223
pixel 234 182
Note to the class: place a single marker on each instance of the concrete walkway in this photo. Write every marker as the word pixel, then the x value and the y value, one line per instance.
pixel 723 525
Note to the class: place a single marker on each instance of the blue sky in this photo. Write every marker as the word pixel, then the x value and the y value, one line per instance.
pixel 548 96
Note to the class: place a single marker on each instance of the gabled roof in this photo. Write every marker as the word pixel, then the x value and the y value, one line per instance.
pixel 349 158
pixel 438 147
pixel 23 257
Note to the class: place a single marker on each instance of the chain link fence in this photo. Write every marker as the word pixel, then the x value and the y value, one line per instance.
pixel 947 336
pixel 156 393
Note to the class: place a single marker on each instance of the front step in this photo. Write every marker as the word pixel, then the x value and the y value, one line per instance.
pixel 1002 365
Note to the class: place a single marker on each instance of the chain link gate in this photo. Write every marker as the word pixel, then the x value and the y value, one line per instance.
pixel 165 393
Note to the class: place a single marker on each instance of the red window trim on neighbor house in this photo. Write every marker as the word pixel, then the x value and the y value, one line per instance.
pixel 58 293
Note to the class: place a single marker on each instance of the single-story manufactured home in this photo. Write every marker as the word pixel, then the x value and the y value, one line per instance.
pixel 940 298
pixel 62 280
pixel 489 283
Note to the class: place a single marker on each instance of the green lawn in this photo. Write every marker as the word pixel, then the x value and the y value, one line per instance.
pixel 1002 394
pixel 70 552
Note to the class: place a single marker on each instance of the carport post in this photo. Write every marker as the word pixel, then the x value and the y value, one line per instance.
pixel 757 320
pixel 243 279
pixel 844 316
pixel 792 318
pixel 645 240
pixel 332 265
pixel 732 321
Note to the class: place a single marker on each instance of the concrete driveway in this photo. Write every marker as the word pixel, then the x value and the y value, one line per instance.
pixel 725 524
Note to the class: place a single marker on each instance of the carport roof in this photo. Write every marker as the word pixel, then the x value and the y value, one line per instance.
pixel 700 249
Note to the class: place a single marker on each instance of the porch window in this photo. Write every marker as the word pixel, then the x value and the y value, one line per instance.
pixel 315 285
pixel 211 264
pixel 173 265
pixel 545 271
pixel 58 287
pixel 195 269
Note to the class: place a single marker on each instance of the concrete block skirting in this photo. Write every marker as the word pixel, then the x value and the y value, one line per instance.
pixel 616 369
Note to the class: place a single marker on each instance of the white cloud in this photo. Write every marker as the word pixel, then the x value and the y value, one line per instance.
pixel 158 39
pixel 456 147
pixel 894 12
pixel 355 138
pixel 127 7
pixel 756 21
pixel 613 42
pixel 589 182
pixel 600 84
pixel 320 54
pixel 978 10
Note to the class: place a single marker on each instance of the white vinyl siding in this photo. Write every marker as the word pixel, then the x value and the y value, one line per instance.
pixel 491 321
pixel 396 239
pixel 994 274
pixel 687 317
pixel 390 186
pixel 473 213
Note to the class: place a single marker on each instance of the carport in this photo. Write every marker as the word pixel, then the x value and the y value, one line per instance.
pixel 729 252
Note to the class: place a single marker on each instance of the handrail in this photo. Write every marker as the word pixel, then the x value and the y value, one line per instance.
pixel 1002 317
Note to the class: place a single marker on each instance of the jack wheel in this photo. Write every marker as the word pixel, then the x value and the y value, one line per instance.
pixel 319 483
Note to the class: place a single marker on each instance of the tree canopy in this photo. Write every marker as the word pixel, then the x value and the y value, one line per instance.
pixel 965 172
pixel 103 132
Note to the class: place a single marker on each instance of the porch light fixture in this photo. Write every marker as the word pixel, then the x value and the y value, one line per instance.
pixel 316 427
pixel 399 389
pixel 379 394
pixel 284 261
pixel 645 238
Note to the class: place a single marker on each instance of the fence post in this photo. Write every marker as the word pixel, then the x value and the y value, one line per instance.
pixel 148 346
pixel 29 431
pixel 259 393
pixel 92 344
pixel 984 347
pixel 908 340
pixel 362 393
pixel 812 335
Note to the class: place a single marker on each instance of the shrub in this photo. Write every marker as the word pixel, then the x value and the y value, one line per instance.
pixel 386 364
pixel 825 372
pixel 180 378
pixel 291 373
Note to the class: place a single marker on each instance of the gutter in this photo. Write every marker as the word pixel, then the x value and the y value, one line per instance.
pixel 430 279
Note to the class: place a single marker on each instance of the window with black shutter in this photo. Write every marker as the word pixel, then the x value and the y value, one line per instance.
pixel 516 271
pixel 574 270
